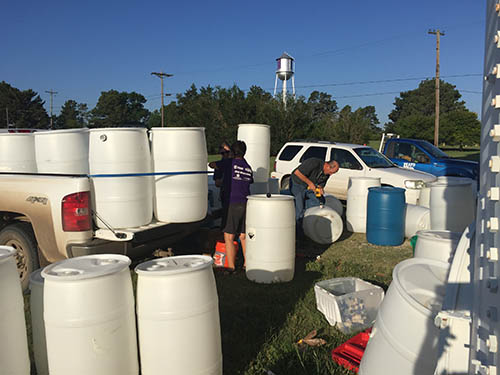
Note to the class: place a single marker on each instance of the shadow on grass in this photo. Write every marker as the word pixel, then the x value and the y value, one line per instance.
pixel 252 313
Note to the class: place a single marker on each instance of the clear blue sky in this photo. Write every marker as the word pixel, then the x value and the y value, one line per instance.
pixel 80 49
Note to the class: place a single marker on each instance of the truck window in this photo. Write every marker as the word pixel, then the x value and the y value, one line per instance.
pixel 411 153
pixel 289 152
pixel 390 149
pixel 345 159
pixel 314 152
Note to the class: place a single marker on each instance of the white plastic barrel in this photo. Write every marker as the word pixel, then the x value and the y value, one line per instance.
pixel 37 323
pixel 322 224
pixel 180 198
pixel 17 152
pixel 14 357
pixel 417 218
pixel 424 199
pixel 357 199
pixel 62 151
pixel 89 316
pixel 178 316
pixel 121 201
pixel 437 244
pixel 452 205
pixel 334 203
pixel 270 238
pixel 404 338
pixel 257 138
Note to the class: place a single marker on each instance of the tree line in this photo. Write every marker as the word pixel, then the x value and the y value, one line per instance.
pixel 220 110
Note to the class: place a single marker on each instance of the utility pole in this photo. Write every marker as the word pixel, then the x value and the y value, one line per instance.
pixel 436 121
pixel 162 75
pixel 52 93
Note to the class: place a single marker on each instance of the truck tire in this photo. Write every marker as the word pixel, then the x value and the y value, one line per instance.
pixel 21 237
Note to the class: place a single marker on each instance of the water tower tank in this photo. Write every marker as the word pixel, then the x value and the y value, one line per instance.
pixel 284 68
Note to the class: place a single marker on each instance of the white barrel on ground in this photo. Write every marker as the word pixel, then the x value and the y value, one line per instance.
pixel 417 218
pixel 424 199
pixel 124 201
pixel 334 203
pixel 270 238
pixel 404 338
pixel 452 205
pixel 437 244
pixel 14 357
pixel 62 151
pixel 257 138
pixel 180 198
pixel 357 199
pixel 37 323
pixel 178 316
pixel 322 224
pixel 89 316
pixel 17 153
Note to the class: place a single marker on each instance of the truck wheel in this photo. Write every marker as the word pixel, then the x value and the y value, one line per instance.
pixel 21 237
pixel 285 183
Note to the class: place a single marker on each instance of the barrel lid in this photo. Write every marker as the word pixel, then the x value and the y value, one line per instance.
pixel 86 267
pixel 387 189
pixel 263 125
pixel 170 129
pixel 273 197
pixel 174 265
pixel 6 251
pixel 36 277
pixel 439 235
pixel 100 130
pixel 61 131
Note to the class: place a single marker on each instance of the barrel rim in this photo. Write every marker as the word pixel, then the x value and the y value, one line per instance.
pixel 141 269
pixel 261 125
pixel 177 128
pixel 386 189
pixel 453 235
pixel 277 197
pixel 6 252
pixel 399 285
pixel 61 131
pixel 17 134
pixel 123 262
pixel 36 277
pixel 442 183
pixel 96 130
pixel 366 178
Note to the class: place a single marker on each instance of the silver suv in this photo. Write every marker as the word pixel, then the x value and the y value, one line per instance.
pixel 354 161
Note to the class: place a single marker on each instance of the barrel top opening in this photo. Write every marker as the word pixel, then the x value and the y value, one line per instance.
pixel 174 265
pixel 273 197
pixel 86 267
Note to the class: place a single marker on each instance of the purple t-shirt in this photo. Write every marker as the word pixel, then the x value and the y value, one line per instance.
pixel 237 179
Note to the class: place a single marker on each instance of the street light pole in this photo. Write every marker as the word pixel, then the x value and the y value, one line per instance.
pixel 162 75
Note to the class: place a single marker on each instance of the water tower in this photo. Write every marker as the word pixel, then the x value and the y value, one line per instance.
pixel 284 72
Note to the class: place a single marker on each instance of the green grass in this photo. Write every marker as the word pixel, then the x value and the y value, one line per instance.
pixel 260 324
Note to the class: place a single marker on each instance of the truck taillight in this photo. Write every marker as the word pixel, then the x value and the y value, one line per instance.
pixel 76 212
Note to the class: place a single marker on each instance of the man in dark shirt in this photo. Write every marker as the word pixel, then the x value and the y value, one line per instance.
pixel 311 174
pixel 237 177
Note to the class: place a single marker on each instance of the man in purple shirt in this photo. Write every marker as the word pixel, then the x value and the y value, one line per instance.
pixel 235 189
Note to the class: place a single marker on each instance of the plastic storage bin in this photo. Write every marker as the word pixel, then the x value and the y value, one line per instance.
pixel 348 302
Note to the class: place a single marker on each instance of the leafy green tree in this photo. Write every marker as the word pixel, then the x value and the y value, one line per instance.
pixel 322 105
pixel 154 119
pixel 356 127
pixel 25 108
pixel 73 115
pixel 414 114
pixel 116 109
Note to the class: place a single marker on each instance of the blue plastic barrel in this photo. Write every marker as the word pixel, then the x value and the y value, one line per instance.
pixel 385 216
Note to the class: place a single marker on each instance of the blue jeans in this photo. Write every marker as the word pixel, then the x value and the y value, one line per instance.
pixel 304 199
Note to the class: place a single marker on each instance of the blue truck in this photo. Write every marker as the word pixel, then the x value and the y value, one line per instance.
pixel 424 156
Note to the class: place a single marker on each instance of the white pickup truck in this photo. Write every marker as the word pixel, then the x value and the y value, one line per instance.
pixel 48 217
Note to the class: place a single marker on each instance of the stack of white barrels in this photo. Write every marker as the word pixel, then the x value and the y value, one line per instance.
pixel 84 317
pixel 121 164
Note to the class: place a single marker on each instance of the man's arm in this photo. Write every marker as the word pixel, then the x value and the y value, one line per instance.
pixel 302 177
